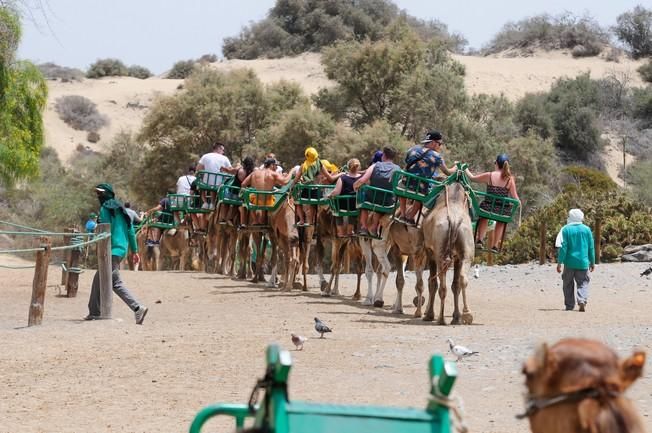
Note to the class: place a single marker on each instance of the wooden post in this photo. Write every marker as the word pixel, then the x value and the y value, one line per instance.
pixel 36 306
pixel 66 258
pixel 542 243
pixel 596 239
pixel 105 270
pixel 73 272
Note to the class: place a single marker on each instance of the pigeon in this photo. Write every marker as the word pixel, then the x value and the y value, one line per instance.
pixel 321 327
pixel 476 271
pixel 298 341
pixel 646 272
pixel 460 351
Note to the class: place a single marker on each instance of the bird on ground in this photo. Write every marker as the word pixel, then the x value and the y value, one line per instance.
pixel 646 272
pixel 460 351
pixel 321 327
pixel 476 271
pixel 298 341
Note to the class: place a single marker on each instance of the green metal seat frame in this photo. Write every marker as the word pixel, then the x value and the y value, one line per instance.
pixel 227 193
pixel 363 203
pixel 185 203
pixel 336 203
pixel 280 195
pixel 401 179
pixel 277 414
pixel 321 191
pixel 209 181
pixel 155 222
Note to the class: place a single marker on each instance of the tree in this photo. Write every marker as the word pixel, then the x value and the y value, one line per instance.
pixel 634 29
pixel 23 95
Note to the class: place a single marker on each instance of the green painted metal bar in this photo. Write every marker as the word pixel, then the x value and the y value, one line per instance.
pixel 271 200
pixel 339 202
pixel 209 181
pixel 411 186
pixel 311 194
pixel 229 194
pixel 376 199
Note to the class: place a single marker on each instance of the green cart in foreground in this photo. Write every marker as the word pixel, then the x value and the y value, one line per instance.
pixel 277 414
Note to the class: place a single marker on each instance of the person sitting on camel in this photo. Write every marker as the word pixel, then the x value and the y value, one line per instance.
pixel 264 180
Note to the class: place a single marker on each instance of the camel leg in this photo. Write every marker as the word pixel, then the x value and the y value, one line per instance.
pixel 380 250
pixel 400 283
pixel 467 317
pixel 419 290
pixel 309 233
pixel 339 248
pixel 432 291
pixel 274 265
pixel 319 252
pixel 455 288
pixel 442 296
pixel 368 270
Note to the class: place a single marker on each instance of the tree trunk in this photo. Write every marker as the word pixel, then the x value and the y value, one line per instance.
pixel 36 306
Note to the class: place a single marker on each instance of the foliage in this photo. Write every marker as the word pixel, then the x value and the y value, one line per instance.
pixel 297 26
pixel 645 71
pixel 181 69
pixel 634 29
pixel 587 179
pixel 137 71
pixel 80 113
pixel 52 71
pixel 640 178
pixel 107 68
pixel 23 95
pixel 551 33
pixel 532 115
pixel 207 58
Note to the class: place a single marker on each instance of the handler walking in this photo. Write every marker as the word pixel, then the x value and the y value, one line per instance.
pixel 122 238
pixel 577 254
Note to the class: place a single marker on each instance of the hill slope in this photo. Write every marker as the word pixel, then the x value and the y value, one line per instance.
pixel 496 75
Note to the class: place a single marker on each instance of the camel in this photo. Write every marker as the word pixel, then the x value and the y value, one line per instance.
pixel 179 246
pixel 221 242
pixel 577 386
pixel 150 254
pixel 448 236
pixel 401 240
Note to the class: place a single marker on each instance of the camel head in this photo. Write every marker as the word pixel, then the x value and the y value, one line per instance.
pixel 577 385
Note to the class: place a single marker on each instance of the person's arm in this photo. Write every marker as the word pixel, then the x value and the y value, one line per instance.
pixel 154 209
pixel 298 177
pixel 283 179
pixel 591 251
pixel 230 170
pixel 200 165
pixel 561 255
pixel 331 177
pixel 364 178
pixel 447 171
pixel 480 178
pixel 512 188
pixel 337 190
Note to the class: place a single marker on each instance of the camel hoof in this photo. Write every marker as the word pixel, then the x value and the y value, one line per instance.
pixel 298 286
pixel 428 318
pixel 336 293
pixel 324 285
pixel 416 300
pixel 367 302
pixel 397 311
pixel 467 319
pixel 356 297
pixel 325 294
pixel 441 322
pixel 455 321
pixel 379 303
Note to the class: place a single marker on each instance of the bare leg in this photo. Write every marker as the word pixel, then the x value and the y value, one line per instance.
pixel 498 235
pixel 481 230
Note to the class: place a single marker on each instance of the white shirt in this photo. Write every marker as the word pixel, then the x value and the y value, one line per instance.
pixel 183 184
pixel 213 162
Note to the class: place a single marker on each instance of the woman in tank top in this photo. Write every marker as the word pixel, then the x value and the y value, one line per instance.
pixel 344 186
pixel 499 182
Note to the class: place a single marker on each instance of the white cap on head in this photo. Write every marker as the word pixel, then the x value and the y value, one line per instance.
pixel 575 216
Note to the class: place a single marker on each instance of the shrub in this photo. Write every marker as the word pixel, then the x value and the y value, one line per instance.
pixel 634 29
pixel 137 71
pixel 80 113
pixel 181 69
pixel 642 102
pixel 645 71
pixel 52 71
pixel 551 33
pixel 208 58
pixel 93 137
pixel 107 68
pixel 588 179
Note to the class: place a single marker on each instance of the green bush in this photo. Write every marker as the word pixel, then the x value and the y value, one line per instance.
pixel 52 71
pixel 80 113
pixel 138 72
pixel 642 105
pixel 532 116
pixel 107 68
pixel 634 29
pixel 587 179
pixel 181 69
pixel 297 26
pixel 645 71
pixel 581 34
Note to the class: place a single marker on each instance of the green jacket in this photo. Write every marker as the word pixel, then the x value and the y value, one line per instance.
pixel 577 250
pixel 123 236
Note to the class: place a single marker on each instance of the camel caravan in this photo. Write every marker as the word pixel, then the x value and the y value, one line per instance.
pixel 257 222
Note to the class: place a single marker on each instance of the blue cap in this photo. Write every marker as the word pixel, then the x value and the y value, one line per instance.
pixel 378 156
pixel 502 159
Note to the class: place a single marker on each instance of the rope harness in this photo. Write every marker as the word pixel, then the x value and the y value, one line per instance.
pixel 534 405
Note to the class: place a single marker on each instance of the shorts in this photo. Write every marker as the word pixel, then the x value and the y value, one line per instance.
pixel 347 204
pixel 417 186
pixel 262 199
pixel 380 199
pixel 212 179
pixel 345 220
pixel 310 193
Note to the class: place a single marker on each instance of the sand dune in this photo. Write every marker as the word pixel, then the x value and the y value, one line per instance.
pixel 512 77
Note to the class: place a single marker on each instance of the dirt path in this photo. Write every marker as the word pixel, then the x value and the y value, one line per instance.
pixel 204 342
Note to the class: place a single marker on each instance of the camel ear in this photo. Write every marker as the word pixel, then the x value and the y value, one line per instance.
pixel 631 369
pixel 539 362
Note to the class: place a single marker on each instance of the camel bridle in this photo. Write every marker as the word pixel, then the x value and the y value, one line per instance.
pixel 534 404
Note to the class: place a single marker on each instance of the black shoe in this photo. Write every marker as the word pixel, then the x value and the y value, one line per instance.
pixel 91 317
pixel 495 250
pixel 570 308
pixel 582 307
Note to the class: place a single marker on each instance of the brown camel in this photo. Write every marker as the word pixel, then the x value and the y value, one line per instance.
pixel 150 254
pixel 448 236
pixel 181 249
pixel 578 386
pixel 220 245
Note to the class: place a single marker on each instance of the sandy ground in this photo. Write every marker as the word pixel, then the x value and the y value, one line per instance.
pixel 204 340
pixel 512 77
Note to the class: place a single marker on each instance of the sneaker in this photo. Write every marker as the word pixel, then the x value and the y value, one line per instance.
pixel 206 205
pixel 479 244
pixel 582 307
pixel 363 232
pixel 91 317
pixel 140 314
pixel 495 250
